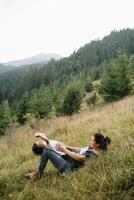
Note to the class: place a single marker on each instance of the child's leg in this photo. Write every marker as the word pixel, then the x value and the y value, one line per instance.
pixel 55 158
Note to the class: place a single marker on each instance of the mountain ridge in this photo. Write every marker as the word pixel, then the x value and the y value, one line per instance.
pixel 38 58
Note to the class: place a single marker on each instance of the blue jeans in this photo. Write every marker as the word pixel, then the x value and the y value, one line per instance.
pixel 60 163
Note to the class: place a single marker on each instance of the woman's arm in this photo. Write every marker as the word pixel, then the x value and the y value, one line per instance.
pixel 74 149
pixel 71 154
pixel 42 136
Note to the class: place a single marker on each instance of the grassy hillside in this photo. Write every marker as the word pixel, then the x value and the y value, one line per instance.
pixel 110 177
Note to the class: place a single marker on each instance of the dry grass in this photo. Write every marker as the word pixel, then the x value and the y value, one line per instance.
pixel 110 177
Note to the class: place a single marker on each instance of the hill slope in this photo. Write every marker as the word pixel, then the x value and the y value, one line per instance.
pixel 109 177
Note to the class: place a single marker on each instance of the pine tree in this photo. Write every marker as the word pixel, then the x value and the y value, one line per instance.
pixel 5 116
pixel 131 73
pixel 108 86
pixel 115 82
pixel 23 107
pixel 72 101
pixel 40 103
pixel 88 86
pixel 122 76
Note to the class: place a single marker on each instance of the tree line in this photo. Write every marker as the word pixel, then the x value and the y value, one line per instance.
pixel 59 86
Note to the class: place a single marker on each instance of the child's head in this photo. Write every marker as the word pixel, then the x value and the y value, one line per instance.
pixel 38 147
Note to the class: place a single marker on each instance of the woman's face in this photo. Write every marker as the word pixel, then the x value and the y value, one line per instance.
pixel 41 143
pixel 93 143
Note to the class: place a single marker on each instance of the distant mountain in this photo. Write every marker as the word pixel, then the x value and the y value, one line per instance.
pixel 4 68
pixel 40 58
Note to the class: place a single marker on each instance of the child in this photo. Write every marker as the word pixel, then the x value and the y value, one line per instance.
pixel 45 143
pixel 38 149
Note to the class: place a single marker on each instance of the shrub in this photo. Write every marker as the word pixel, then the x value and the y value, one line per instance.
pixel 88 86
pixel 72 101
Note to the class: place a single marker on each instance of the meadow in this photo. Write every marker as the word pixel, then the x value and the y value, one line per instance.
pixel 109 177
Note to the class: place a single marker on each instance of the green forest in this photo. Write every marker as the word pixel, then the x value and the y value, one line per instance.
pixel 58 87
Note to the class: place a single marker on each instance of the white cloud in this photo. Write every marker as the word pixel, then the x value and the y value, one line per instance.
pixel 29 27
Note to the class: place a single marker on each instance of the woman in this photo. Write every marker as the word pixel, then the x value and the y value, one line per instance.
pixel 73 157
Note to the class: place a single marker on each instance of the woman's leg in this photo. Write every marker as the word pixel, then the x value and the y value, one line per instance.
pixel 55 158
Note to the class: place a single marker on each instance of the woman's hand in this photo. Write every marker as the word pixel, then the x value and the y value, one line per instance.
pixel 60 147
pixel 63 144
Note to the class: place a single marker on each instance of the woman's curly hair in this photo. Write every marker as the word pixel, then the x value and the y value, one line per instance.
pixel 102 141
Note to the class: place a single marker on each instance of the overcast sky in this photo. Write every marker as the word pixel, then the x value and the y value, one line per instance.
pixel 30 27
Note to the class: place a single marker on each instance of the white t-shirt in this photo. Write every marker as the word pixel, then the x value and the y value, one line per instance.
pixel 83 150
pixel 52 145
pixel 87 152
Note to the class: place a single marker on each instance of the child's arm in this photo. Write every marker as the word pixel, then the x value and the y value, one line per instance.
pixel 42 136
